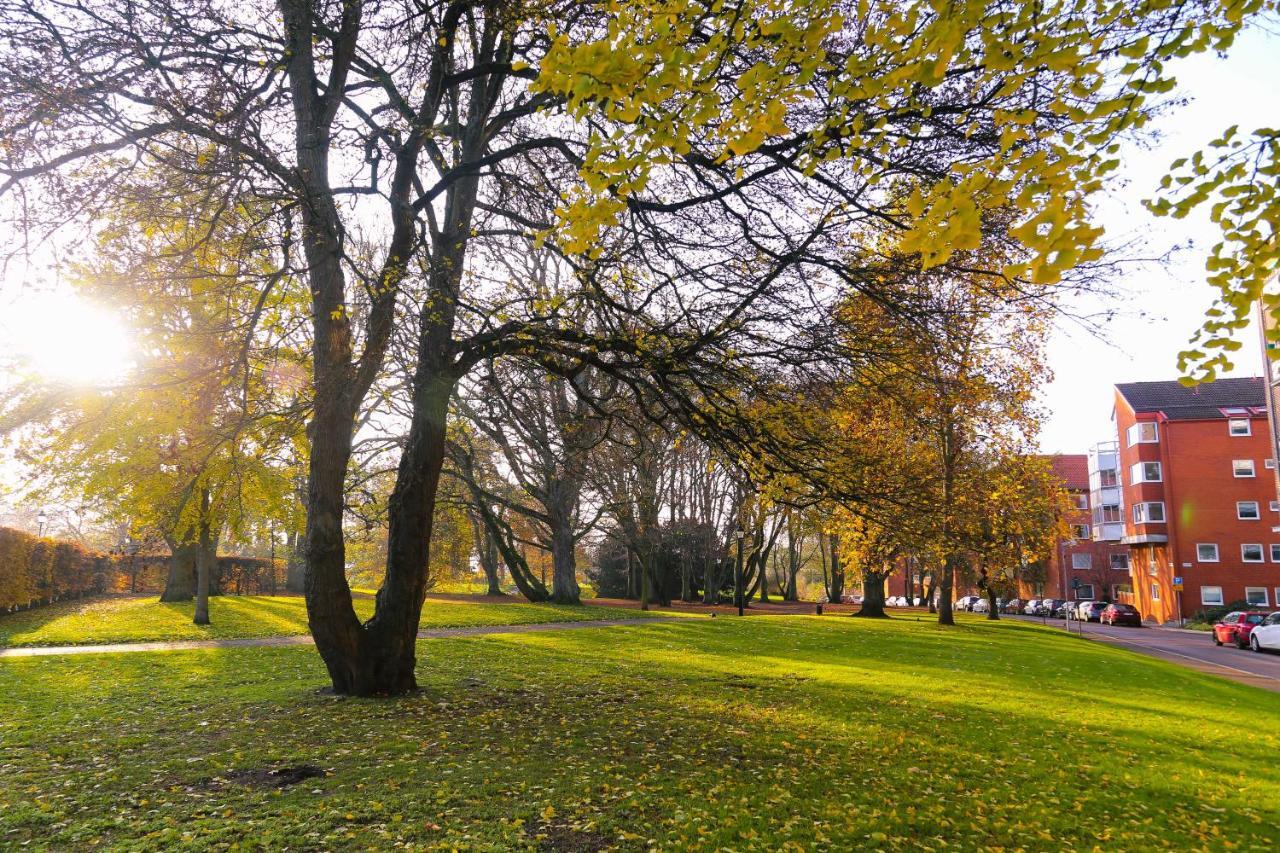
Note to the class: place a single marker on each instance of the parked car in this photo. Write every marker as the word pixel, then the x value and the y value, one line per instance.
pixel 1048 606
pixel 1089 611
pixel 1236 627
pixel 850 598
pixel 1266 636
pixel 966 602
pixel 1121 614
pixel 1032 606
pixel 980 606
pixel 1014 605
pixel 1062 608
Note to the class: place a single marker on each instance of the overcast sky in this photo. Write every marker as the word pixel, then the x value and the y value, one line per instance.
pixel 1160 306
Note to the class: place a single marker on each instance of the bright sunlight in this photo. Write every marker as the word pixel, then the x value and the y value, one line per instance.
pixel 62 338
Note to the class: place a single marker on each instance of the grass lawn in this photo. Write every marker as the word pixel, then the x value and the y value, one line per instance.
pixel 764 733
pixel 123 620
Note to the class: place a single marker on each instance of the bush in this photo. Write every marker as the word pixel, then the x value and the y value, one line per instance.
pixel 1209 615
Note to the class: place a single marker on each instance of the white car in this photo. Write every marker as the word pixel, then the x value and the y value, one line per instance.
pixel 966 602
pixel 1032 606
pixel 1267 635
pixel 980 606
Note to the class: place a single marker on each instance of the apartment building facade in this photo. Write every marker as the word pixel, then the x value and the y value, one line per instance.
pixel 1084 566
pixel 1197 498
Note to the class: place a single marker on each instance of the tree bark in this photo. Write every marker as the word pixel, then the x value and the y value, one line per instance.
pixel 873 595
pixel 945 592
pixel 205 561
pixel 564 565
pixel 836 593
pixel 181 584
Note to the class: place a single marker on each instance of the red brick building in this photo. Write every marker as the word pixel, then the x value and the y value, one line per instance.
pixel 1100 567
pixel 1198 496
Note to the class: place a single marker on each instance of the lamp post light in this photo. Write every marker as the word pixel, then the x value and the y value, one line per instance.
pixel 737 572
pixel 41 520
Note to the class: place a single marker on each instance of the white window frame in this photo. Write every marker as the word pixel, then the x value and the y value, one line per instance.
pixel 1275 552
pixel 1261 552
pixel 1080 500
pixel 1088 561
pixel 1081 595
pixel 1265 602
pixel 1275 506
pixel 1079 531
pixel 1234 423
pixel 1201 558
pixel 1142 512
pixel 1209 601
pixel 1240 509
pixel 1269 464
pixel 1111 561
pixel 1241 468
pixel 1135 433
pixel 1141 466
pixel 1155 591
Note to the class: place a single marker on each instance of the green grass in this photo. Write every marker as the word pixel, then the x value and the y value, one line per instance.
pixel 124 620
pixel 756 734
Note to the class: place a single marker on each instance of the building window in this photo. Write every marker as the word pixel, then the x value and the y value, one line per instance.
pixel 1207 552
pixel 1275 553
pixel 1119 589
pixel 1082 561
pixel 1144 472
pixel 1107 478
pixel 1275 506
pixel 1151 512
pixel 1155 592
pixel 1084 592
pixel 1242 467
pixel 1247 510
pixel 1239 426
pixel 1256 595
pixel 1120 561
pixel 1079 531
pixel 1269 464
pixel 1080 501
pixel 1251 553
pixel 1211 595
pixel 1144 432
pixel 1110 514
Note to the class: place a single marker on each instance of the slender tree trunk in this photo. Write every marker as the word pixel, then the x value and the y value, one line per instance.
pixel 873 595
pixel 208 555
pixel 295 577
pixel 993 612
pixel 931 592
pixel 837 572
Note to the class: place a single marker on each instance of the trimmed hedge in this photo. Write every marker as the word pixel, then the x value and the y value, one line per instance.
pixel 34 570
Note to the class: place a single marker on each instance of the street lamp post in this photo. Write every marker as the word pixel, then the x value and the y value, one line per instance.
pixel 41 520
pixel 737 572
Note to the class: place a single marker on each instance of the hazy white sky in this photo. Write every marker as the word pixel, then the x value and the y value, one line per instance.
pixel 1160 306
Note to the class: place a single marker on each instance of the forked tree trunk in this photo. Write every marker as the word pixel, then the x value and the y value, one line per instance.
pixel 873 595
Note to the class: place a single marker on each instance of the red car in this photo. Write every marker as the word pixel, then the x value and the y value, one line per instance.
pixel 1236 626
pixel 1121 614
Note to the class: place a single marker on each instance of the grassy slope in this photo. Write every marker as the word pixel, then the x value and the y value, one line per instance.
pixel 123 620
pixel 755 734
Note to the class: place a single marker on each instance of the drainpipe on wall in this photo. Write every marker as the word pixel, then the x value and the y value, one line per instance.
pixel 1170 513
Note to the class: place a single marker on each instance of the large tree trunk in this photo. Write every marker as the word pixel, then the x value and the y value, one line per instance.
pixel 993 612
pixel 295 578
pixel 564 566
pixel 873 595
pixel 945 593
pixel 181 585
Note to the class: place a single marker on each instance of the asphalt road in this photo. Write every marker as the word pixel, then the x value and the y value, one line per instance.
pixel 1194 649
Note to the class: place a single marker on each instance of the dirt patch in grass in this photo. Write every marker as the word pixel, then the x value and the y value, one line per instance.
pixel 269 777
pixel 562 838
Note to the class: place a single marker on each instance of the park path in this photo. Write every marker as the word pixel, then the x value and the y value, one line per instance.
pixel 306 640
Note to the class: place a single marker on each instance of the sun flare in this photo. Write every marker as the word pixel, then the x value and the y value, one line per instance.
pixel 61 338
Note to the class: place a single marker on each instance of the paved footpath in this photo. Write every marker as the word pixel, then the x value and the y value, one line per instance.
pixel 1192 649
pixel 305 640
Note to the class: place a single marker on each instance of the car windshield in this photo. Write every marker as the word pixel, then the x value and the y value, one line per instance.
pixel 1254 618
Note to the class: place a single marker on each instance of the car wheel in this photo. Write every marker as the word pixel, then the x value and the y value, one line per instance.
pixel 1254 644
pixel 1241 643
